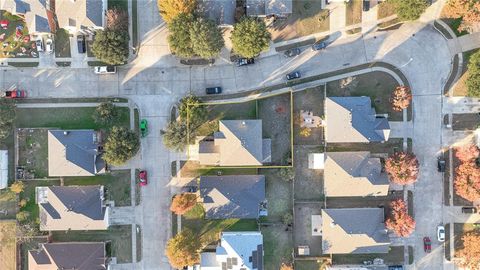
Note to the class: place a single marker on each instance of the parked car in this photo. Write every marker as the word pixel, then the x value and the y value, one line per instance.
pixel 82 47
pixel 292 52
pixel 49 45
pixel 427 244
pixel 143 128
pixel 469 210
pixel 244 61
pixel 213 90
pixel 15 94
pixel 319 46
pixel 293 75
pixel 441 164
pixel 366 5
pixel 39 44
pixel 395 267
pixel 105 70
pixel 441 233
pixel 189 189
pixel 143 178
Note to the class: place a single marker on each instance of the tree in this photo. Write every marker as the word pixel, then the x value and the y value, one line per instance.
pixel 286 266
pixel 7 116
pixel 305 132
pixel 197 114
pixel 207 40
pixel 399 221
pixel 473 77
pixel 22 216
pixel 409 10
pixel 183 249
pixel 170 9
pixel 467 181
pixel 106 114
pixel 467 10
pixel 250 37
pixel 179 38
pixel 402 168
pixel 401 98
pixel 117 20
pixel 287 174
pixel 111 46
pixel 22 203
pixel 467 153
pixel 121 145
pixel 468 256
pixel 177 136
pixel 182 203
pixel 17 187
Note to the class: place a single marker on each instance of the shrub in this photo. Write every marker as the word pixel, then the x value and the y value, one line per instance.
pixel 17 187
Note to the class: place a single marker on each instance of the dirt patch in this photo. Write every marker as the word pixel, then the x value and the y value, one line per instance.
pixel 308 182
pixel 303 227
pixel 465 121
pixel 7 245
pixel 312 100
pixel 384 10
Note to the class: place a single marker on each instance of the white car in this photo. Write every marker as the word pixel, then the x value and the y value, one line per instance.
pixel 441 233
pixel 39 44
pixel 105 70
pixel 49 46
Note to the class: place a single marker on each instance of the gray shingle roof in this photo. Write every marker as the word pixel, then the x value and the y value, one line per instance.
pixel 269 7
pixel 220 11
pixel 232 196
pixel 95 11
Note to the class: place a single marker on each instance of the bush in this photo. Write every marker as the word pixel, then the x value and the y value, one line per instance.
pixel 22 216
pixel 111 46
pixel 250 37
pixel 409 10
pixel 121 145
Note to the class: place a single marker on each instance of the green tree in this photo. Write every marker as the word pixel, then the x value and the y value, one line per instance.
pixel 250 37
pixel 183 249
pixel 206 38
pixel 121 145
pixel 7 116
pixel 111 46
pixel 473 79
pixel 106 114
pixel 197 114
pixel 177 136
pixel 409 10
pixel 179 38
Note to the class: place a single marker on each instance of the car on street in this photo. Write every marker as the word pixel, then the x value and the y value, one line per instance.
pixel 213 90
pixel 15 94
pixel 292 52
pixel 441 233
pixel 317 46
pixel 143 178
pixel 82 47
pixel 441 164
pixel 143 128
pixel 395 267
pixel 427 244
pixel 39 44
pixel 244 61
pixel 293 75
pixel 49 45
pixel 105 70
pixel 469 210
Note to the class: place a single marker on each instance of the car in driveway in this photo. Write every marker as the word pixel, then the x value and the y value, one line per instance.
pixel 293 75
pixel 292 52
pixel 213 90
pixel 469 210
pixel 366 5
pixel 49 45
pixel 39 44
pixel 317 46
pixel 441 164
pixel 143 178
pixel 441 233
pixel 427 244
pixel 105 70
pixel 244 61
pixel 82 47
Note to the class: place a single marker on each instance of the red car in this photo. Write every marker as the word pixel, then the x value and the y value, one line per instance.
pixel 143 178
pixel 15 94
pixel 427 244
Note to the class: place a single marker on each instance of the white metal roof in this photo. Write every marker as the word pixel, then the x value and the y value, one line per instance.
pixel 3 169
pixel 316 161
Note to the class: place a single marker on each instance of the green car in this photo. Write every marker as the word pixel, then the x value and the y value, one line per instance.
pixel 143 128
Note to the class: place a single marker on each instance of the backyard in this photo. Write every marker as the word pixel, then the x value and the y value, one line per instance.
pixel 7 245
pixel 28 195
pixel 353 12
pixel 33 152
pixel 308 182
pixel 118 238
pixel 376 85
pixel 307 18
pixel 279 193
pixel 277 246
pixel 303 229
pixel 15 39
pixel 308 100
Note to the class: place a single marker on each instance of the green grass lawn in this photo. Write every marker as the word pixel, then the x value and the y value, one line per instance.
pixel 8 204
pixel 387 147
pixel 461 86
pixel 394 256
pixel 277 246
pixel 62 43
pixel 279 195
pixel 117 185
pixel 353 13
pixel 120 238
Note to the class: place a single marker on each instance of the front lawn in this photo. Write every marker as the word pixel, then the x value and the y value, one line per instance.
pixel 118 238
pixel 389 147
pixel 394 256
pixel 465 121
pixel 277 246
pixel 119 4
pixel 460 88
pixel 353 12
pixel 7 245
pixel 62 43
pixel 13 46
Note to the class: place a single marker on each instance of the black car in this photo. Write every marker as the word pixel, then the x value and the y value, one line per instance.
pixel 469 210
pixel 213 90
pixel 319 46
pixel 292 52
pixel 366 5
pixel 189 189
pixel 441 164
pixel 293 75
pixel 82 48
pixel 245 61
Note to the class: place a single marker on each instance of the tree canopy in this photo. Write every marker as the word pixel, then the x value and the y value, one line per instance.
pixel 197 114
pixel 468 255
pixel 401 98
pixel 182 203
pixel 183 249
pixel 121 145
pixel 177 136
pixel 467 173
pixel 467 10
pixel 106 114
pixel 399 221
pixel 170 9
pixel 17 187
pixel 402 168
pixel 7 116
pixel 179 38
pixel 473 77
pixel 207 40
pixel 117 19
pixel 409 10
pixel 250 37
pixel 111 46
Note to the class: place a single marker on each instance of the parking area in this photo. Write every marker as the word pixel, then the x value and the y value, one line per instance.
pixel 308 182
pixel 303 228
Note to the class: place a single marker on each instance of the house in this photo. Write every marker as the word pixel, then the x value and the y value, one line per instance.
pixel 237 143
pixel 72 208
pixel 233 196
pixel 354 231
pixel 71 255
pixel 354 174
pixel 222 12
pixel 74 153
pixel 39 15
pixel 262 8
pixel 353 120
pixel 84 16
pixel 237 251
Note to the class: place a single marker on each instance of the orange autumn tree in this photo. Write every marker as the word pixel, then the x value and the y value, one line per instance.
pixel 402 168
pixel 399 221
pixel 467 153
pixel 467 10
pixel 286 266
pixel 401 98
pixel 468 257
pixel 182 203
pixel 170 9
pixel 467 174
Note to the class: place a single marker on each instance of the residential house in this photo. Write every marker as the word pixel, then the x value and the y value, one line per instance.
pixel 233 196
pixel 353 120
pixel 262 8
pixel 39 15
pixel 237 251
pixel 72 208
pixel 71 255
pixel 237 143
pixel 84 16
pixel 354 231
pixel 354 174
pixel 74 153
pixel 220 11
